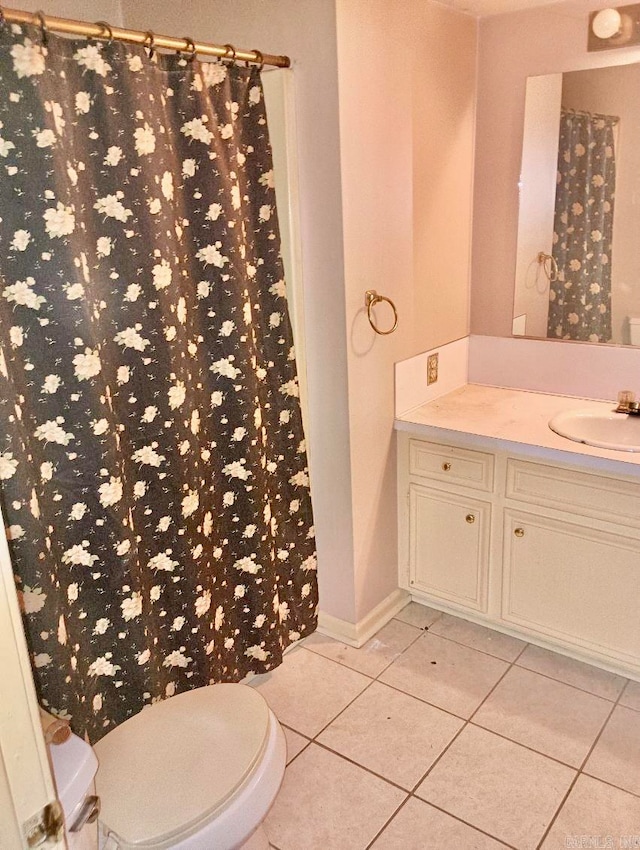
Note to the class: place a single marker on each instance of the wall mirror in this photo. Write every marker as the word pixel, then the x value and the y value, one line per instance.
pixel 578 257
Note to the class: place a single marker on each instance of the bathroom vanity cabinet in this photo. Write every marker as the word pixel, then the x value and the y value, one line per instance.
pixel 546 551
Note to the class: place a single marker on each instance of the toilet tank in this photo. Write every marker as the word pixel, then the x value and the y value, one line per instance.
pixel 634 330
pixel 74 766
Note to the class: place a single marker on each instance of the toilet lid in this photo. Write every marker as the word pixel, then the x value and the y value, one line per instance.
pixel 171 767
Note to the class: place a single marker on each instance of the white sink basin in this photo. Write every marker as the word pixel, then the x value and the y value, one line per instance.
pixel 605 429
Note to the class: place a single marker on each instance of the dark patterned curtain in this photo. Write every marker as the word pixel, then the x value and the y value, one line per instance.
pixel 152 460
pixel 580 296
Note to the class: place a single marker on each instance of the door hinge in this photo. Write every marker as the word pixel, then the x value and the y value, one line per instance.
pixel 46 827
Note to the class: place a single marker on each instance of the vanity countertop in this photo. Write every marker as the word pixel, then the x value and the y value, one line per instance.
pixel 514 420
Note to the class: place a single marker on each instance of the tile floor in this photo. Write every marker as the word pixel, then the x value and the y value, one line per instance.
pixel 442 734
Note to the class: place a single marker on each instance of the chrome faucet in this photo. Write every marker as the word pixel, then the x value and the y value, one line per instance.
pixel 627 403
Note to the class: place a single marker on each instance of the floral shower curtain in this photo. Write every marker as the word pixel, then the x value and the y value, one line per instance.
pixel 152 459
pixel 580 297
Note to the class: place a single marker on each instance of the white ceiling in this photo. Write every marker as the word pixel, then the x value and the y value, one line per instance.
pixel 480 8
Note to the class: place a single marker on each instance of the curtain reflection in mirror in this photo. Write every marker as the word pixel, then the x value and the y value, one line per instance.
pixel 580 297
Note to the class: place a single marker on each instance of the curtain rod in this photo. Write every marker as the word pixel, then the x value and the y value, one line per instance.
pixel 149 39
pixel 581 112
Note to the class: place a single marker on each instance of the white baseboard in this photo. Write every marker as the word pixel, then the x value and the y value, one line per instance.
pixel 356 634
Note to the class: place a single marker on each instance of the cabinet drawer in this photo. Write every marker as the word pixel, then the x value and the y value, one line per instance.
pixel 449 546
pixel 609 499
pixel 464 467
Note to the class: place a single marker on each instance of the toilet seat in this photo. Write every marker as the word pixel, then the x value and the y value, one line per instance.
pixel 172 768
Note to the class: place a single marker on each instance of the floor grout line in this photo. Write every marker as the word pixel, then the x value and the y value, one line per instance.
pixel 409 795
pixel 610 784
pixel 569 684
pixel 466 722
pixel 460 731
pixel 512 662
pixel 362 767
pixel 470 719
pixel 342 710
pixel 579 772
pixel 521 653
pixel 556 814
pixel 624 690
pixel 531 749
pixel 465 822
pixel 423 701
pixel 355 669
pixel 582 772
pixel 627 681
pixel 435 762
pixel 482 702
pixel 388 822
pixel 308 741
pixel 476 649
pixel 427 630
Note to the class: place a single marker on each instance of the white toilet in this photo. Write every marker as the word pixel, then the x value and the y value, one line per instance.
pixel 198 771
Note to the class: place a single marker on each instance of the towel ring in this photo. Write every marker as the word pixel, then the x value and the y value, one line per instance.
pixel 549 266
pixel 371 298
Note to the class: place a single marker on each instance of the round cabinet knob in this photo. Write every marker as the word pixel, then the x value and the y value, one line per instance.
pixel 446 466
pixel 519 532
pixel 470 518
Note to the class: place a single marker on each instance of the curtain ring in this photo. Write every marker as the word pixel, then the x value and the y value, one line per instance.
pixel 44 32
pixel 371 298
pixel 230 53
pixel 191 45
pixel 259 60
pixel 106 28
pixel 149 44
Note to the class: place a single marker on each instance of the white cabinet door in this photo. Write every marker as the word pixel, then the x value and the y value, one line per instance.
pixel 565 579
pixel 449 546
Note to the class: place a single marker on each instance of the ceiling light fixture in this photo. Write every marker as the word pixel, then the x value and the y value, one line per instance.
pixel 614 27
pixel 607 23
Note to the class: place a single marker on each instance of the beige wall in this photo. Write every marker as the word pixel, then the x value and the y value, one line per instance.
pixel 88 10
pixel 513 46
pixel 406 134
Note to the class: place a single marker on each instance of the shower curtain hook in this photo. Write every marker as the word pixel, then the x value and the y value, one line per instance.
pixel 191 45
pixel 149 44
pixel 259 60
pixel 44 32
pixel 3 20
pixel 230 53
pixel 106 28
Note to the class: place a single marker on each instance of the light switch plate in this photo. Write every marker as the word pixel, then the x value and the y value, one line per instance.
pixel 432 368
